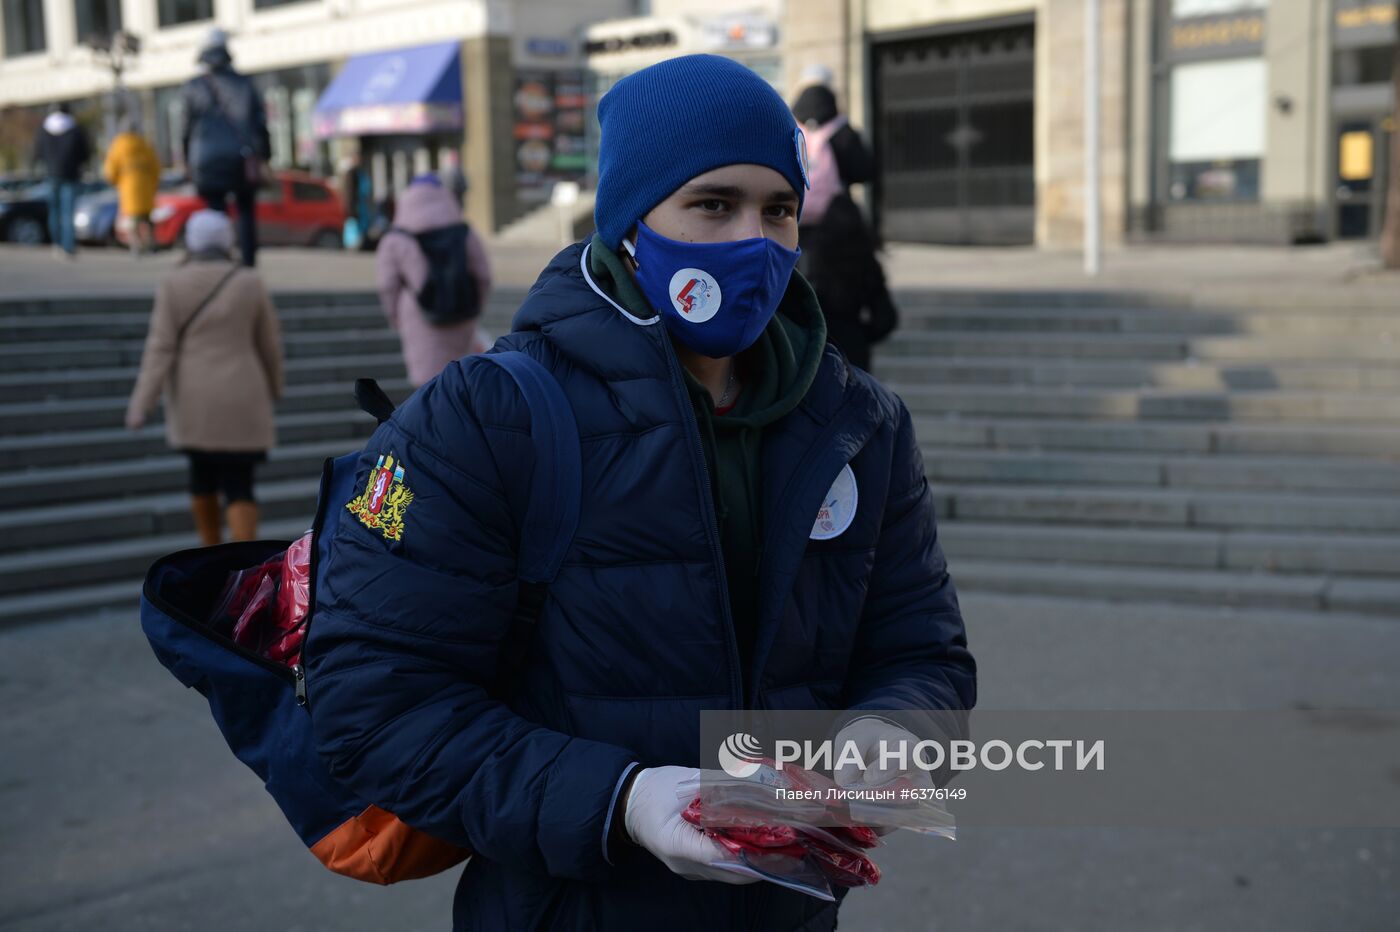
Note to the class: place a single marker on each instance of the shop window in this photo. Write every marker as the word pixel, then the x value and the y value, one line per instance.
pixel 177 12
pixel 1369 65
pixel 97 18
pixel 24 27
pixel 1218 114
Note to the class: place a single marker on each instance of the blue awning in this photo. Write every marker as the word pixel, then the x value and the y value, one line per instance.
pixel 414 90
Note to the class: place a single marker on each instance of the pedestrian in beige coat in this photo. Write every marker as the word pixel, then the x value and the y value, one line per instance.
pixel 214 349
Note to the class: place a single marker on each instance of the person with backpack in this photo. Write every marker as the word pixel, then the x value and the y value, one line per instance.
pixel 214 349
pixel 839 248
pixel 753 530
pixel 433 278
pixel 62 147
pixel 226 143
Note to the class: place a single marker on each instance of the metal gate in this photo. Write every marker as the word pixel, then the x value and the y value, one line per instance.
pixel 954 136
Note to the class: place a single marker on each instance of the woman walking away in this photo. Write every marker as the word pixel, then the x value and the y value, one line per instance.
pixel 134 168
pixel 215 349
pixel 433 278
pixel 838 247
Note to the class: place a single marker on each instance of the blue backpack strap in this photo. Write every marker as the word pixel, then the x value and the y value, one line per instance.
pixel 551 518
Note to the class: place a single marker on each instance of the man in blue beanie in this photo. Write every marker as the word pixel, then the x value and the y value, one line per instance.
pixel 755 532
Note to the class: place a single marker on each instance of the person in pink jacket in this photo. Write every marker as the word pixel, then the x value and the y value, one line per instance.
pixel 401 269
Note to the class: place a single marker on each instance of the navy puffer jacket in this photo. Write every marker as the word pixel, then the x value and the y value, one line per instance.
pixel 634 638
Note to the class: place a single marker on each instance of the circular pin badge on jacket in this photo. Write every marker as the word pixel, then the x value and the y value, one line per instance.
pixel 838 508
pixel 695 295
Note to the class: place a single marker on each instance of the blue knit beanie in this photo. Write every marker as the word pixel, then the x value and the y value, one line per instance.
pixel 680 118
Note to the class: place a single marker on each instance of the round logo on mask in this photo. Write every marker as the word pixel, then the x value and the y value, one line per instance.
pixel 695 295
pixel 838 508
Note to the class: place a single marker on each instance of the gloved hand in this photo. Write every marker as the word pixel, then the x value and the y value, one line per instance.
pixel 866 734
pixel 653 820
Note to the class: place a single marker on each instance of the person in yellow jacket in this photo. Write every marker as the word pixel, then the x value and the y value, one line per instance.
pixel 134 168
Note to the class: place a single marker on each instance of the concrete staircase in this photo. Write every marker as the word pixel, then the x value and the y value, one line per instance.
pixel 1116 447
pixel 1087 445
pixel 86 506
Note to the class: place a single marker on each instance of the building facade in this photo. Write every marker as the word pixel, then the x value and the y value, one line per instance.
pixel 296 49
pixel 1220 120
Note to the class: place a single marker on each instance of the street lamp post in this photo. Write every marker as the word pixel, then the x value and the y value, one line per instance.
pixel 116 50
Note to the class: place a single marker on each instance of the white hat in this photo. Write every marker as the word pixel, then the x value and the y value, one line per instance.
pixel 208 230
pixel 216 38
pixel 816 74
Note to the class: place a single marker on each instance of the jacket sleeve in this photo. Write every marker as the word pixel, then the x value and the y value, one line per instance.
pixel 911 648
pixel 268 336
pixel 158 356
pixel 405 640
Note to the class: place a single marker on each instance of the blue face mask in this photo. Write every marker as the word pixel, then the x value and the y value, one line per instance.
pixel 716 298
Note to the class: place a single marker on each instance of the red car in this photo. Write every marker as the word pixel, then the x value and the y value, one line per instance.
pixel 296 209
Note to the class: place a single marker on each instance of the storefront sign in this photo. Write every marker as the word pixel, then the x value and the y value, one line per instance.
pixel 388 119
pixel 1365 22
pixel 660 38
pixel 550 109
pixel 1215 36
pixel 741 31
pixel 549 48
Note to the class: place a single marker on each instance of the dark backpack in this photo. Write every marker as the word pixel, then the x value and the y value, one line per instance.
pixel 261 704
pixel 449 294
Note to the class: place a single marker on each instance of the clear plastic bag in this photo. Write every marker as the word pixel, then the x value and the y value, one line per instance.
pixel 264 608
pixel 822 802
pixel 775 842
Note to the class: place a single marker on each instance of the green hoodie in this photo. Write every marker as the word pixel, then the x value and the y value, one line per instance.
pixel 775 374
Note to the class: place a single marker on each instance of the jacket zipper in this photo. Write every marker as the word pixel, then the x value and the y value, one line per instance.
pixel 736 686
pixel 838 424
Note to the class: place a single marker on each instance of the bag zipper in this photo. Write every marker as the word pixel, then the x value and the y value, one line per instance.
pixel 203 630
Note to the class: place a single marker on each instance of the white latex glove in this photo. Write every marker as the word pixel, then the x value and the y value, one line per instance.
pixel 653 820
pixel 866 734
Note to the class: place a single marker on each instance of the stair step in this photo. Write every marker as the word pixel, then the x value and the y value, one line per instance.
pixel 122 596
pixel 1171 508
pixel 123 479
pixel 1222 471
pixel 118 381
pixel 1302 439
pixel 1276 349
pixel 132 324
pixel 1180 321
pixel 1211 588
pixel 144 516
pixel 84 413
pixel 1151 404
pixel 1180 376
pixel 108 561
pixel 1307 552
pixel 56 452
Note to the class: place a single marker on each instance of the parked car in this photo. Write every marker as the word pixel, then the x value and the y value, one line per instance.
pixel 95 216
pixel 24 215
pixel 16 181
pixel 295 209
